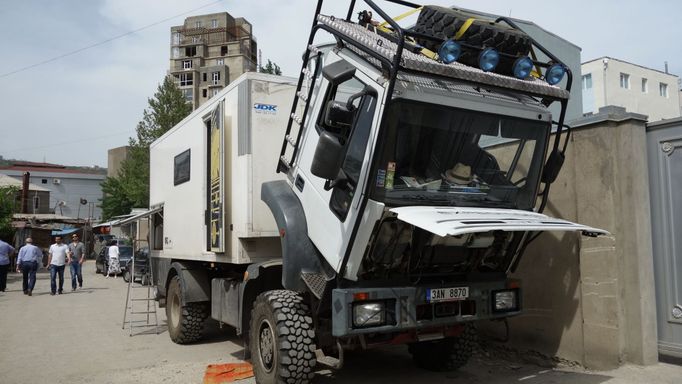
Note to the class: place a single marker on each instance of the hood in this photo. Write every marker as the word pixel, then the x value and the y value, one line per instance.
pixel 454 221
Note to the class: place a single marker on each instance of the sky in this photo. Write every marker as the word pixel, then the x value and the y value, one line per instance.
pixel 75 75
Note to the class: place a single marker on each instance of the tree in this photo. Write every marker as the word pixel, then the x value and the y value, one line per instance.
pixel 130 187
pixel 8 196
pixel 271 68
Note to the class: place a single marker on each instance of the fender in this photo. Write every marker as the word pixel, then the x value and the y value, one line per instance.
pixel 194 282
pixel 298 252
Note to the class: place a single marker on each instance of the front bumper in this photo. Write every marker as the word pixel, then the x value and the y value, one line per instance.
pixel 407 308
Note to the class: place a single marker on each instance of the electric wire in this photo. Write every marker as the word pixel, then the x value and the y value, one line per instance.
pixel 71 53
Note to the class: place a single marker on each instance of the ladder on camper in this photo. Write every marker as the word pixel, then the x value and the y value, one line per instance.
pixel 140 308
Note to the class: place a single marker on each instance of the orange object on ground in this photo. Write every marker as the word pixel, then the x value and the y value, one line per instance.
pixel 227 373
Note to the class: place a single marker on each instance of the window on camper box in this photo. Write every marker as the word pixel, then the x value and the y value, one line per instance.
pixel 181 168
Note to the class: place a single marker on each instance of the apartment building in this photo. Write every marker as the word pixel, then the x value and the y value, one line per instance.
pixel 209 51
pixel 609 81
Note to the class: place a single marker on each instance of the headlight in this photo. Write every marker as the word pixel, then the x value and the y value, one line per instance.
pixel 368 314
pixel 505 301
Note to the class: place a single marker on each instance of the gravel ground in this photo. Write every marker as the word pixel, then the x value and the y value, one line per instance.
pixel 77 338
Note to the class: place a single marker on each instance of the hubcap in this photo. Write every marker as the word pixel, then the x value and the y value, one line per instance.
pixel 175 311
pixel 266 343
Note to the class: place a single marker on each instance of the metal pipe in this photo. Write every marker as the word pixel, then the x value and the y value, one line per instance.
pixel 24 192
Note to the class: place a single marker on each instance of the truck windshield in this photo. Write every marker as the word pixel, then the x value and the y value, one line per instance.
pixel 438 155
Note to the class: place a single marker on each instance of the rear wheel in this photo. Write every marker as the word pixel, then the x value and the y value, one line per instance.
pixel 282 339
pixel 448 354
pixel 185 322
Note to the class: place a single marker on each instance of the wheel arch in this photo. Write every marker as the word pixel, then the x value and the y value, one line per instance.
pixel 195 285
pixel 262 277
pixel 298 252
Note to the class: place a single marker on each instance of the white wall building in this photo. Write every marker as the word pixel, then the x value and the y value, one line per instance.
pixel 68 188
pixel 609 81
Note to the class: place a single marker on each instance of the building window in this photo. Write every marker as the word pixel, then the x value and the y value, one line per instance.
pixel 214 23
pixel 645 85
pixel 190 51
pixel 195 39
pixel 176 52
pixel 204 77
pixel 44 181
pixel 197 24
pixel 181 168
pixel 587 81
pixel 625 81
pixel 663 89
pixel 215 77
pixel 214 91
pixel 220 62
pixel 186 79
pixel 204 93
pixel 187 64
pixel 223 50
pixel 188 93
pixel 176 38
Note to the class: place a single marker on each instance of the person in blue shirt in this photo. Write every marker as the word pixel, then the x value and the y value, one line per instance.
pixel 27 263
pixel 6 251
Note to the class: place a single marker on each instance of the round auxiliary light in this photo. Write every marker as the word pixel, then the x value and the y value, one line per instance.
pixel 522 67
pixel 449 51
pixel 488 59
pixel 554 74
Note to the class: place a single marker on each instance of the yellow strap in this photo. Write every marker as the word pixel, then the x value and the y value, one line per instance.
pixel 382 26
pixel 536 72
pixel 464 28
pixel 429 53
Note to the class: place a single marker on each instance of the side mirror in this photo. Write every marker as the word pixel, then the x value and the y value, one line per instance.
pixel 552 167
pixel 338 115
pixel 327 160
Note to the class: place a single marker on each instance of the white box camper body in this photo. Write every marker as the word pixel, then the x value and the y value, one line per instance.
pixel 223 221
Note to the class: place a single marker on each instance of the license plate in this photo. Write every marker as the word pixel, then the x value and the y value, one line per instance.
pixel 435 295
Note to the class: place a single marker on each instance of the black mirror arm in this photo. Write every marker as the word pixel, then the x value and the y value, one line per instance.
pixel 340 181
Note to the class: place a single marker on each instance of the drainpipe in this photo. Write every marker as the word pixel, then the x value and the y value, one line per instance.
pixel 24 192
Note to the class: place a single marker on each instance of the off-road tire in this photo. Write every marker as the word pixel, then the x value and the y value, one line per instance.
pixel 448 354
pixel 185 322
pixel 444 23
pixel 282 339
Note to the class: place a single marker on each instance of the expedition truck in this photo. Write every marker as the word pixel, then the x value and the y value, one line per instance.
pixel 414 167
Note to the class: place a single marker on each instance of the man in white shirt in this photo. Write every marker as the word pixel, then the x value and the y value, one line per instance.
pixel 56 262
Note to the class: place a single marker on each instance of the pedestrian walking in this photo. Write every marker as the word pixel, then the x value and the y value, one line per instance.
pixel 77 254
pixel 6 251
pixel 56 263
pixel 27 264
pixel 114 265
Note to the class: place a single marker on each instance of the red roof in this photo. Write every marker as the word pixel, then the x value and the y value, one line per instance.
pixel 45 167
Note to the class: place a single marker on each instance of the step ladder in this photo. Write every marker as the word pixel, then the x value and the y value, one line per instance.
pixel 140 308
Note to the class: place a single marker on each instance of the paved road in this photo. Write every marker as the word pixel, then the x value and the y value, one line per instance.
pixel 77 338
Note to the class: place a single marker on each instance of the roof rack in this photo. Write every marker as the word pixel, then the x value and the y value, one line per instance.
pixel 370 42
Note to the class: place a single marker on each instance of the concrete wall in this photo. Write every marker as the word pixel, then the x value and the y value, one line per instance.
pixel 115 157
pixel 591 300
pixel 606 89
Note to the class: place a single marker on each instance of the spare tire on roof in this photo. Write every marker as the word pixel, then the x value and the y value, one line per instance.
pixel 444 23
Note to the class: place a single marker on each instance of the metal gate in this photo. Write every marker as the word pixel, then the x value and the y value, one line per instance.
pixel 664 149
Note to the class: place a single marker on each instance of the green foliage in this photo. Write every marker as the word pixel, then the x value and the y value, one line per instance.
pixel 130 188
pixel 8 198
pixel 271 68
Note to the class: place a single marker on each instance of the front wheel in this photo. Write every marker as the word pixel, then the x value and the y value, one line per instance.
pixel 448 354
pixel 126 276
pixel 282 339
pixel 185 322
